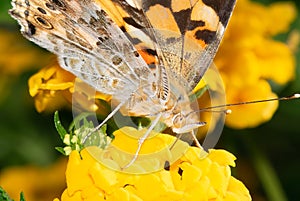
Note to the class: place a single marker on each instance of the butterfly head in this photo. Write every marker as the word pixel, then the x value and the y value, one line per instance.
pixel 181 118
pixel 185 123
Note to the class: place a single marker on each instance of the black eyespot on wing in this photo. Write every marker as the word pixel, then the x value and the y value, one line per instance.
pixel 27 3
pixel 50 6
pixel 26 13
pixel 136 53
pixel 42 10
pixel 43 22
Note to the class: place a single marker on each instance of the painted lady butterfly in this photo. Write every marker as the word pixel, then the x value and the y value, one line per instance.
pixel 147 54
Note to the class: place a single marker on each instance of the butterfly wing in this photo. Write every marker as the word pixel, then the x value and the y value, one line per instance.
pixel 88 43
pixel 184 35
pixel 94 39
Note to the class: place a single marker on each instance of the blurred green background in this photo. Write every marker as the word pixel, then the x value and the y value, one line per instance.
pixel 268 159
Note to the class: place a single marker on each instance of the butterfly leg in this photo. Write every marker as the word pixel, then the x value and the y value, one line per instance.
pixel 142 139
pixel 178 136
pixel 103 122
pixel 192 134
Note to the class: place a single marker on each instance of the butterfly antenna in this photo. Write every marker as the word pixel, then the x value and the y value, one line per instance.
pixel 228 111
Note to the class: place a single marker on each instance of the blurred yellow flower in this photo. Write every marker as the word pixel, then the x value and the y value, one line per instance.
pixel 38 184
pixel 53 87
pixel 16 56
pixel 252 114
pixel 248 57
pixel 22 56
pixel 189 178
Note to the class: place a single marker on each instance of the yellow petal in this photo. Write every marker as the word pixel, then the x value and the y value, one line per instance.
pixel 222 157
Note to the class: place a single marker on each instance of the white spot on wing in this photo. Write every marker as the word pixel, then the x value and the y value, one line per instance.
pixel 134 3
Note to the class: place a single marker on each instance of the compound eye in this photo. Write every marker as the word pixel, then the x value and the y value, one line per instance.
pixel 178 121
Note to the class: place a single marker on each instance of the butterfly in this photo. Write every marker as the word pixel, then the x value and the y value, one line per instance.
pixel 148 54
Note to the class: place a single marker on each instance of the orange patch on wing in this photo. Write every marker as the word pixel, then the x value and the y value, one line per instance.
pixel 148 58
pixel 206 14
pixel 115 12
pixel 179 5
pixel 162 18
pixel 191 35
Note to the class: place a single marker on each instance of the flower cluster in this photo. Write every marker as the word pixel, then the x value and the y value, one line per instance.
pixel 249 58
pixel 189 178
pixel 31 179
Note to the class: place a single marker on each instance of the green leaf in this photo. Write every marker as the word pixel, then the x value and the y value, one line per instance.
pixel 198 93
pixel 160 126
pixel 22 197
pixel 76 123
pixel 61 150
pixel 96 138
pixel 266 173
pixel 4 196
pixel 80 128
pixel 59 127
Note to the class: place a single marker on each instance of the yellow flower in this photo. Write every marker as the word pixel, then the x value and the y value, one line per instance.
pixel 16 58
pixel 252 114
pixel 38 184
pixel 19 57
pixel 188 178
pixel 52 88
pixel 249 57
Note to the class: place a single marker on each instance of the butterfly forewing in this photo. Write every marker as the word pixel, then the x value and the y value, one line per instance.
pixel 87 42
